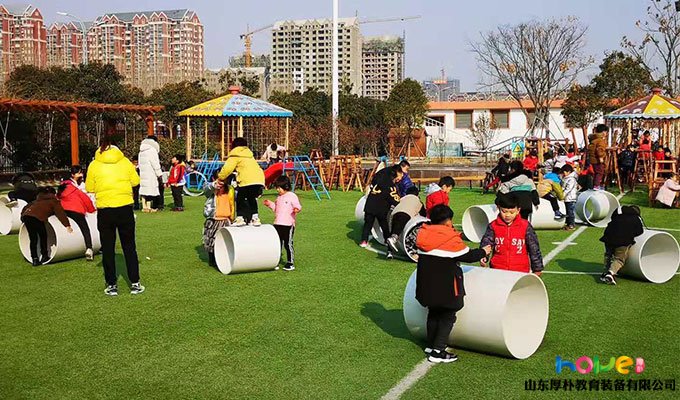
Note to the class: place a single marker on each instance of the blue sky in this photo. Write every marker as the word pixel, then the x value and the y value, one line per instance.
pixel 438 39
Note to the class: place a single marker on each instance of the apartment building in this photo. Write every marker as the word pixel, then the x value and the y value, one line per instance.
pixel 382 65
pixel 301 55
pixel 65 44
pixel 23 38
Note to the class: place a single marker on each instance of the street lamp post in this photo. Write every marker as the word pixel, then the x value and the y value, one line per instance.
pixel 82 27
pixel 334 78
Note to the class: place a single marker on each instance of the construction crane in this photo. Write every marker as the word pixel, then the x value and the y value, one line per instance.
pixel 371 21
pixel 247 38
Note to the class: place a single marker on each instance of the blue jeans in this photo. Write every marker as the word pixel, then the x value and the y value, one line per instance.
pixel 571 210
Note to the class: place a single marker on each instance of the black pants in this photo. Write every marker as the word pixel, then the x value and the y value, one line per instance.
pixel 121 219
pixel 246 201
pixel 84 227
pixel 369 220
pixel 159 201
pixel 399 221
pixel 439 324
pixel 553 201
pixel 135 195
pixel 526 212
pixel 37 233
pixel 177 196
pixel 286 236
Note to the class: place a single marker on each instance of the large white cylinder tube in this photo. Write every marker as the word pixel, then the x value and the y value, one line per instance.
pixel 61 244
pixel 247 249
pixel 505 312
pixel 595 207
pixel 476 219
pixel 543 216
pixel 655 257
pixel 10 217
pixel 359 209
pixel 407 240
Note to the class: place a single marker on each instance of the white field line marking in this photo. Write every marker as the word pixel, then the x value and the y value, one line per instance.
pixel 409 380
pixel 665 229
pixel 423 367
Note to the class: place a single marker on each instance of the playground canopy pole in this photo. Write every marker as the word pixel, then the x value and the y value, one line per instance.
pixel 149 125
pixel 205 133
pixel 75 156
pixel 188 139
pixel 287 131
pixel 222 143
pixel 240 126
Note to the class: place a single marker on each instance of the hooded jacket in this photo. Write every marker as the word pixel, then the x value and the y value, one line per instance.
pixel 524 187
pixel 73 199
pixel 668 192
pixel 624 227
pixel 111 177
pixel 570 187
pixel 24 188
pixel 176 176
pixel 241 160
pixel 45 206
pixel 149 168
pixel 439 278
pixel 515 246
pixel 382 194
pixel 597 149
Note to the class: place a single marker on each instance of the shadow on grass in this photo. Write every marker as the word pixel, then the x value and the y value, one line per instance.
pixel 355 228
pixel 574 265
pixel 203 256
pixel 121 268
pixel 390 321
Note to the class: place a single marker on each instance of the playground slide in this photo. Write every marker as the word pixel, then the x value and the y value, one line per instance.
pixel 274 171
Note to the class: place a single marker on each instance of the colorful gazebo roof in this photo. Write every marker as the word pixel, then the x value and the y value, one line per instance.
pixel 236 105
pixel 653 106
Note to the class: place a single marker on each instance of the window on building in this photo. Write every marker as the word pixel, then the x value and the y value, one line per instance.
pixel 531 116
pixel 463 119
pixel 500 119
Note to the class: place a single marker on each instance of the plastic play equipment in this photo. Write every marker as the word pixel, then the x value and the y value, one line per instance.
pixel 505 313
pixel 274 171
pixel 247 249
pixel 407 240
pixel 595 207
pixel 476 219
pixel 196 179
pixel 61 244
pixel 10 217
pixel 655 257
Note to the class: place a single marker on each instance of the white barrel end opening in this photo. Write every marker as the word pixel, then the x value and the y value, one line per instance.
pixel 655 257
pixel 476 219
pixel 595 207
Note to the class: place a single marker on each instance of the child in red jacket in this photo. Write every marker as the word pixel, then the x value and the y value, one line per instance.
pixel 515 245
pixel 439 194
pixel 176 182
pixel 76 204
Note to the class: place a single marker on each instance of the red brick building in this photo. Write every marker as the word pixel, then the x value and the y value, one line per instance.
pixel 23 39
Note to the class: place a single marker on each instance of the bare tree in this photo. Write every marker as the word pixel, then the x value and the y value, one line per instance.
pixel 483 132
pixel 660 45
pixel 536 59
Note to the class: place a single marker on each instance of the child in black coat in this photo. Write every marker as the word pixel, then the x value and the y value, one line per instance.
pixel 382 196
pixel 619 236
pixel 439 278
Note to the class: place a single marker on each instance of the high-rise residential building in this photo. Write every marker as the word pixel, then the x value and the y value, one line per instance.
pixel 301 55
pixel 150 48
pixel 441 88
pixel 23 38
pixel 382 65
pixel 65 44
pixel 211 78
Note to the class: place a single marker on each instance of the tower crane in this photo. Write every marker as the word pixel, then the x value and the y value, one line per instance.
pixel 247 39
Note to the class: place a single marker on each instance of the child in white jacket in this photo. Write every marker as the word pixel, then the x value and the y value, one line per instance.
pixel 570 190
pixel 668 191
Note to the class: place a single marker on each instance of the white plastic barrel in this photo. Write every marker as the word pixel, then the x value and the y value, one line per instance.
pixel 61 244
pixel 595 207
pixel 10 217
pixel 505 313
pixel 543 216
pixel 247 249
pixel 655 257
pixel 476 219
pixel 359 209
pixel 407 240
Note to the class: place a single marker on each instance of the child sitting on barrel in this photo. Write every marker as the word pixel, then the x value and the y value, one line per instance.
pixel 515 245
pixel 619 236
pixel 439 193
pixel 409 206
pixel 552 191
pixel 218 211
pixel 439 279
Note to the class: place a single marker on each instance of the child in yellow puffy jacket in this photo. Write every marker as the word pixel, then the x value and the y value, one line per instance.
pixel 219 211
pixel 552 191
pixel 250 180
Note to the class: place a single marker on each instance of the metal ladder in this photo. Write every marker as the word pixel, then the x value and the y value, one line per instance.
pixel 304 164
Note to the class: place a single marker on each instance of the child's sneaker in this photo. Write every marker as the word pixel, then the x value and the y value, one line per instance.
pixel 392 243
pixel 289 267
pixel 239 221
pixel 363 244
pixel 276 268
pixel 89 255
pixel 441 356
pixel 389 255
pixel 255 221
pixel 111 290
pixel 569 227
pixel 559 215
pixel 44 260
pixel 137 288
pixel 608 278
pixel 35 262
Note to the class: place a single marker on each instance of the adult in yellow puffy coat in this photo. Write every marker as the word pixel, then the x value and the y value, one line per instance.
pixel 250 179
pixel 111 177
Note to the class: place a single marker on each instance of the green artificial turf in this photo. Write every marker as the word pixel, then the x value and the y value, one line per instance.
pixel 331 329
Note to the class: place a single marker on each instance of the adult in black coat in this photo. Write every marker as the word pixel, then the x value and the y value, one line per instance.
pixel 382 196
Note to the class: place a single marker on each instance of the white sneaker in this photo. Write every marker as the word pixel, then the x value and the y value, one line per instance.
pixel 239 221
pixel 136 288
pixel 255 221
pixel 392 243
pixel 89 255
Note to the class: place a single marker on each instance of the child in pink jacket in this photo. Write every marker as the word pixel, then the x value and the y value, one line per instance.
pixel 285 209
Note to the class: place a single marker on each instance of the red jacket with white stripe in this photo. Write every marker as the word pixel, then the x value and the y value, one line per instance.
pixel 176 177
pixel 74 199
pixel 515 246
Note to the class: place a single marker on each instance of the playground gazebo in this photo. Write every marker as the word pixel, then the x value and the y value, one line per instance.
pixel 260 122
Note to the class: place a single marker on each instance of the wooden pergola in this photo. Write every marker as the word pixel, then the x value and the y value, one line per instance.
pixel 74 108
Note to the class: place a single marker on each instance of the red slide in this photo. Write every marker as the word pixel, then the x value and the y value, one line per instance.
pixel 274 171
